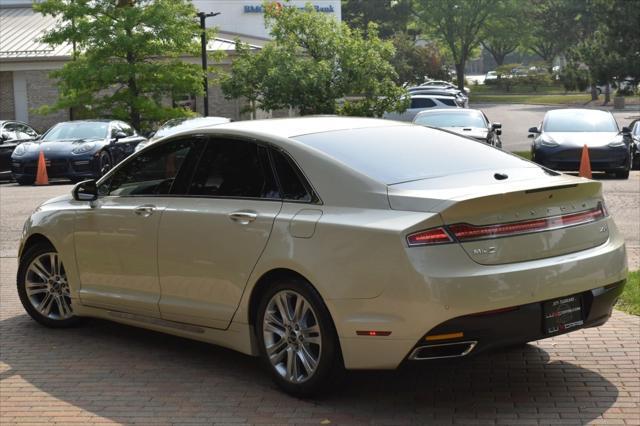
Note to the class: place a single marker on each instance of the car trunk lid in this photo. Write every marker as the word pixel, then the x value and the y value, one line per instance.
pixel 512 215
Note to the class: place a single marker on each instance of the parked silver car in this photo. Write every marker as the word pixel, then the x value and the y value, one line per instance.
pixel 421 103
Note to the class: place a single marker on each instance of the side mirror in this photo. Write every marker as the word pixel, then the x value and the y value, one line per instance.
pixel 498 132
pixel 3 137
pixel 533 130
pixel 496 125
pixel 120 135
pixel 85 191
pixel 150 135
pixel 626 131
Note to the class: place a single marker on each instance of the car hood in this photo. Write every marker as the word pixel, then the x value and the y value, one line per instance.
pixel 472 132
pixel 578 139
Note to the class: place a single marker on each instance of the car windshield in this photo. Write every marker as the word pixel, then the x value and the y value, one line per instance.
pixel 579 121
pixel 403 153
pixel 77 130
pixel 451 119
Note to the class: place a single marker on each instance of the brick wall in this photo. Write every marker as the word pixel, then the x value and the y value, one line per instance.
pixel 7 110
pixel 41 90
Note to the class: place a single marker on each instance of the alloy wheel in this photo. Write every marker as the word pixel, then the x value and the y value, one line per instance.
pixel 47 287
pixel 292 336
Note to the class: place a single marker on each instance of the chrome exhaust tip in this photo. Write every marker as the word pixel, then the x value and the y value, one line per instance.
pixel 443 350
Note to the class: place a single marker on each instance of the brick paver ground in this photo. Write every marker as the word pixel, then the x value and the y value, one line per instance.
pixel 103 372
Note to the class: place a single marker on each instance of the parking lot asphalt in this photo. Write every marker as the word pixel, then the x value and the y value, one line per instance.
pixel 516 119
pixel 104 372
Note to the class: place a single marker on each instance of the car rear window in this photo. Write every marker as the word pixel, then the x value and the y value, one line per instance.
pixel 447 101
pixel 404 153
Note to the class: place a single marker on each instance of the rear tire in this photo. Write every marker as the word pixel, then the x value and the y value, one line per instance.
pixel 43 287
pixel 297 339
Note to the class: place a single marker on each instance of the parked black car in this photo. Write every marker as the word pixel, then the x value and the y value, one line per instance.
pixel 76 150
pixel 472 123
pixel 560 138
pixel 12 133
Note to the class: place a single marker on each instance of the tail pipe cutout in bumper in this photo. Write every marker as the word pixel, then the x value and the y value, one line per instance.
pixel 442 350
pixel 475 333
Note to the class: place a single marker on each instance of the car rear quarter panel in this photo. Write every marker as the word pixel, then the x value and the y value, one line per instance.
pixel 353 254
pixel 445 283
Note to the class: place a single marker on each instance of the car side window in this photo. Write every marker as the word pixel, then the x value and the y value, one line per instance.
pixel 150 173
pixel 292 183
pixel 11 130
pixel 115 128
pixel 26 132
pixel 234 168
pixel 422 103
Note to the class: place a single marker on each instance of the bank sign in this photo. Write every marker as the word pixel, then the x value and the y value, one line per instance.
pixel 258 8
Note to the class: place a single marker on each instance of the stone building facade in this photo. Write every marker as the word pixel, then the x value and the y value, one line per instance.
pixel 26 63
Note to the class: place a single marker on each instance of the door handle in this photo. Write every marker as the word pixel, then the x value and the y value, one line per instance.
pixel 243 217
pixel 145 210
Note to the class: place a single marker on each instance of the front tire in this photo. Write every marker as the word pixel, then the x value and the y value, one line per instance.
pixel 104 163
pixel 43 287
pixel 624 174
pixel 26 180
pixel 297 338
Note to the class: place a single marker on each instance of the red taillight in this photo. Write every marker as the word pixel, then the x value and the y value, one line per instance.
pixel 430 236
pixel 465 232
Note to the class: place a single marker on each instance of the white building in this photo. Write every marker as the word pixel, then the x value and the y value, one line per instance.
pixel 25 62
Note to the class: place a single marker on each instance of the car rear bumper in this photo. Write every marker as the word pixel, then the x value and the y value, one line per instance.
pixel 473 334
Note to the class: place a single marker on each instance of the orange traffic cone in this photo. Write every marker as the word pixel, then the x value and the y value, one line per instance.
pixel 585 164
pixel 41 175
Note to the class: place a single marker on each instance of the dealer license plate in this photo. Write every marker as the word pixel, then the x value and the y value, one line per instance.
pixel 562 314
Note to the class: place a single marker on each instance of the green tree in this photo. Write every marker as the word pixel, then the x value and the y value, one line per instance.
pixel 504 33
pixel 391 16
pixel 312 62
pixel 619 23
pixel 129 63
pixel 413 63
pixel 554 26
pixel 457 24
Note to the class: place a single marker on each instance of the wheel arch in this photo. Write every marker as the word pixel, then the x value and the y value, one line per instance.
pixel 262 284
pixel 32 240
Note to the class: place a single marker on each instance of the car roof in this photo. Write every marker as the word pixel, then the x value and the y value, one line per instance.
pixel 291 127
pixel 449 111
pixel 97 120
pixel 422 96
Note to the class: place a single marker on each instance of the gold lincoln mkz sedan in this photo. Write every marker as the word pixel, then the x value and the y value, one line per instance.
pixel 325 243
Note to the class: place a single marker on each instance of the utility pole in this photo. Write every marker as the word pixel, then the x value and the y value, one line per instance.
pixel 203 16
